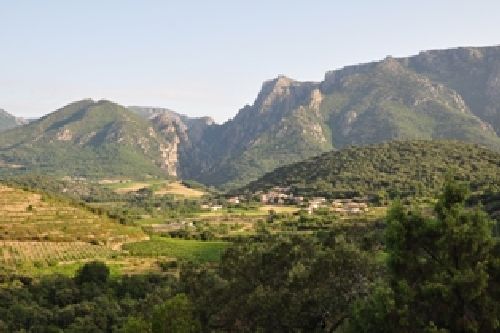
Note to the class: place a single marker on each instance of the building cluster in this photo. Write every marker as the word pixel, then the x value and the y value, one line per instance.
pixel 315 203
pixel 350 206
pixel 280 196
pixel 233 200
pixel 283 195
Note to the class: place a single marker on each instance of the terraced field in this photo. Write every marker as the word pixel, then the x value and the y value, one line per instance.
pixel 41 235
pixel 27 216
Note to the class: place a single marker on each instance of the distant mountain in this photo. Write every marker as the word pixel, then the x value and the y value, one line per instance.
pixel 444 94
pixel 89 139
pixel 450 94
pixel 8 121
pixel 398 168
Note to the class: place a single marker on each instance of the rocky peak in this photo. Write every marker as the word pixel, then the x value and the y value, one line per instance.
pixel 272 91
pixel 168 125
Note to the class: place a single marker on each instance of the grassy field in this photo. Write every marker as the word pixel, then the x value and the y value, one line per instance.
pixel 179 189
pixel 190 250
pixel 159 186
pixel 255 212
pixel 279 209
pixel 128 185
pixel 232 212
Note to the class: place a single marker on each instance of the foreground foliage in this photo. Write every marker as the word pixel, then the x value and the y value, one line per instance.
pixel 434 272
pixel 444 272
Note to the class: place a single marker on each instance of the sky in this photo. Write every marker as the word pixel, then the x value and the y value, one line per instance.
pixel 210 57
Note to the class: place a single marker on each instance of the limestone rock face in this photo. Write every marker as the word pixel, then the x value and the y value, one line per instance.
pixel 178 133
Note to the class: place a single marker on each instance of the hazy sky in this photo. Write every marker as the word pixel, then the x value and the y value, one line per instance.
pixel 210 57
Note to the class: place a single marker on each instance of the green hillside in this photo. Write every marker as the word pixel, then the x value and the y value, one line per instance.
pixel 85 138
pixel 410 168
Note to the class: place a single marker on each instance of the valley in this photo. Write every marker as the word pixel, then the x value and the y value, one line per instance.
pixel 51 224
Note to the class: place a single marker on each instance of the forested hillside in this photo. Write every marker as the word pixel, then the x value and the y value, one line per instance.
pixel 393 169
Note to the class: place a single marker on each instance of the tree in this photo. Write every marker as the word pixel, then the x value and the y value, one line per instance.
pixel 93 272
pixel 175 315
pixel 282 284
pixel 443 269
pixel 136 325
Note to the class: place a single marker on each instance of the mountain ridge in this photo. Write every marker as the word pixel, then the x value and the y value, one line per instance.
pixel 437 94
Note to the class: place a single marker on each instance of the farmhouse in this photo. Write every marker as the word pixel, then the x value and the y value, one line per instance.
pixel 349 206
pixel 234 200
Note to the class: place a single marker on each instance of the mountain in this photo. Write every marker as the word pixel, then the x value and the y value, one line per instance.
pixel 397 168
pixel 449 94
pixel 8 121
pixel 440 94
pixel 90 139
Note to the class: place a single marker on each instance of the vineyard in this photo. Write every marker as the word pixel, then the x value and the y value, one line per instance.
pixel 49 253
pixel 26 216
pixel 39 233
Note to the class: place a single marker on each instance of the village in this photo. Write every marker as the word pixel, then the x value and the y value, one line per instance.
pixel 283 196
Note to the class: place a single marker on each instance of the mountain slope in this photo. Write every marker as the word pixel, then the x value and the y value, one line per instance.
pixel 8 121
pixel 400 168
pixel 474 72
pixel 276 129
pixel 90 139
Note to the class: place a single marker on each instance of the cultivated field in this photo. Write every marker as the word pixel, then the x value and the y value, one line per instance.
pixel 27 216
pixel 49 253
pixel 177 188
pixel 279 209
pixel 41 235
pixel 192 250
